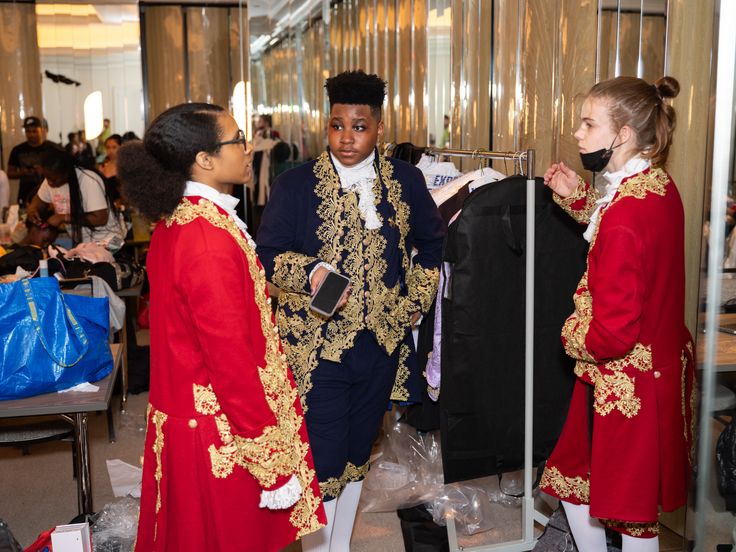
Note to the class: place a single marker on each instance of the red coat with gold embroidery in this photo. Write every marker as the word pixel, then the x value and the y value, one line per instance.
pixel 629 338
pixel 224 420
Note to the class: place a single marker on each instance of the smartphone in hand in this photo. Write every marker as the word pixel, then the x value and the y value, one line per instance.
pixel 329 293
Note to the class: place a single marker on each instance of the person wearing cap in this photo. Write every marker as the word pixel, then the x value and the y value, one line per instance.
pixel 24 162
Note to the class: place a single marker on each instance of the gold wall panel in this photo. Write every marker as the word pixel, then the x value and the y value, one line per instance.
pixel 208 55
pixel 653 29
pixel 540 77
pixel 457 122
pixel 314 94
pixel 505 41
pixel 576 67
pixel 237 25
pixel 403 74
pixel 419 73
pixel 388 37
pixel 654 33
pixel 165 58
pixel 556 58
pixel 388 74
pixel 689 44
pixel 20 70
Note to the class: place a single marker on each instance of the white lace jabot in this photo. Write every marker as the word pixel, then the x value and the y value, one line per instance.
pixel 613 180
pixel 359 178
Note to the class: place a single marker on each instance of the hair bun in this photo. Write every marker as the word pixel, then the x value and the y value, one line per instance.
pixel 667 87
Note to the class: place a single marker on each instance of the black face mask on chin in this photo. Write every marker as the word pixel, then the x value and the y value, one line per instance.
pixel 596 161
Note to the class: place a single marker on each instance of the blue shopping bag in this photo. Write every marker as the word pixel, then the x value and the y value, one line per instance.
pixel 50 341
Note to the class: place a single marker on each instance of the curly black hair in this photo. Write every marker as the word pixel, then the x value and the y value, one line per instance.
pixel 154 171
pixel 357 88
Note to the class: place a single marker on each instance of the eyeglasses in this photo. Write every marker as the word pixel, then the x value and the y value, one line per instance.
pixel 239 140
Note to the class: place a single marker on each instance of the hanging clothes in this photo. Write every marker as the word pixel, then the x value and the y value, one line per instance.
pixel 482 398
pixel 449 198
pixel 436 173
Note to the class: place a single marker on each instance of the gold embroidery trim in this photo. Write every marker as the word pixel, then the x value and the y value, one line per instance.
pixel 640 357
pixel 158 418
pixel 633 528
pixel 334 485
pixel 575 329
pixel 399 391
pixel 290 273
pixel 279 450
pixel 565 487
pixel 693 400
pixel 583 191
pixel 205 401
pixel 615 392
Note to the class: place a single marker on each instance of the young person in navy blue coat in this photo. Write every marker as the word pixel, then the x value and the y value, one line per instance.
pixel 370 218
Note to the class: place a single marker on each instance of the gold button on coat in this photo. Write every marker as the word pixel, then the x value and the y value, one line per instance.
pixel 192 423
pixel 657 374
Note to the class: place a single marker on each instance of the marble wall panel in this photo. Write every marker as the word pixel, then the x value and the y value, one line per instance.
pixel 208 55
pixel 164 58
pixel 20 70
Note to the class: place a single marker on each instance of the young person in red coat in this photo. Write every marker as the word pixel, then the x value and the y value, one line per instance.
pixel 625 449
pixel 227 464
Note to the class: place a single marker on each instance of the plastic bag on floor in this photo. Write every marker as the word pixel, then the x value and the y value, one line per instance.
pixel 469 505
pixel 116 526
pixel 405 471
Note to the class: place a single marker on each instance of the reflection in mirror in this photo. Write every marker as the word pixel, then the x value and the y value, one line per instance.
pixel 632 38
pixel 84 48
pixel 439 72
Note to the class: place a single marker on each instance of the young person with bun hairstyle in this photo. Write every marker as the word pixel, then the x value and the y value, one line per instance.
pixel 625 450
pixel 227 464
pixel 361 214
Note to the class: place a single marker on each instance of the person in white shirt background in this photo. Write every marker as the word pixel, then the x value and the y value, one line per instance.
pixel 74 199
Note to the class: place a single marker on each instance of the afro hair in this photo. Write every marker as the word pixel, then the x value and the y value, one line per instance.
pixel 357 88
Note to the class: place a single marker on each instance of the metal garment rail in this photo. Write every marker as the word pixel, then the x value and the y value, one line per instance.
pixel 528 513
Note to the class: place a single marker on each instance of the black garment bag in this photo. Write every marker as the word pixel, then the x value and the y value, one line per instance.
pixel 483 332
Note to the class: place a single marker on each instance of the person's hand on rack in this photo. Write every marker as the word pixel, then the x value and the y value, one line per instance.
pixel 562 179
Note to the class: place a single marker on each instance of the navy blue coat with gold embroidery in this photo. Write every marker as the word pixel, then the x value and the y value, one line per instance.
pixel 310 219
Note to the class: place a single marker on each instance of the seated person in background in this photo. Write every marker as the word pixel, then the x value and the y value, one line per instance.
pixel 130 135
pixel 74 199
pixel 109 170
pixel 29 250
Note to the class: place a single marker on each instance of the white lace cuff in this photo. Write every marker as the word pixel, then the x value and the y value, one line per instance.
pixel 283 497
pixel 320 264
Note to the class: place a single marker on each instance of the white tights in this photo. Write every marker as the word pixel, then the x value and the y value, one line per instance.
pixel 590 535
pixel 335 536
